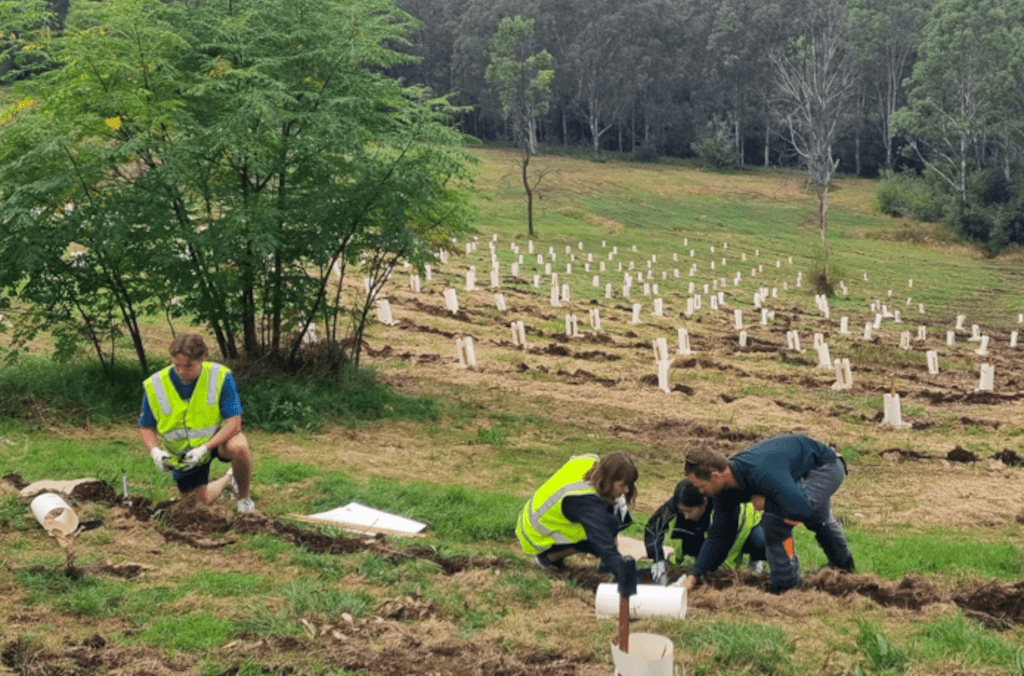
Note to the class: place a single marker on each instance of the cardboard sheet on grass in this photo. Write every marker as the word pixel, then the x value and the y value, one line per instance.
pixel 52 486
pixel 362 519
pixel 628 546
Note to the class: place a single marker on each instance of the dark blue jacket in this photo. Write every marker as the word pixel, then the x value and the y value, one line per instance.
pixel 770 468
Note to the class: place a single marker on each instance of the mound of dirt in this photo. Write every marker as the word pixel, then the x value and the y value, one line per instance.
pixel 959 454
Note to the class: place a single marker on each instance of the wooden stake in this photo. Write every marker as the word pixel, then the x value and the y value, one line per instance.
pixel 624 624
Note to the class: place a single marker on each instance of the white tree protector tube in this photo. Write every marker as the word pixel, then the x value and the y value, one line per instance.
pixel 53 513
pixel 649 655
pixel 649 601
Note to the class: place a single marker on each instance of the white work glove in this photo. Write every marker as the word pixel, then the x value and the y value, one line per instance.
pixel 659 575
pixel 621 509
pixel 160 458
pixel 681 582
pixel 196 456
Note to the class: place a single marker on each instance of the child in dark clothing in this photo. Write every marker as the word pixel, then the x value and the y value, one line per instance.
pixel 690 511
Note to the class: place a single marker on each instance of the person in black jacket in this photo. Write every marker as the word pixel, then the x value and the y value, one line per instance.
pixel 693 515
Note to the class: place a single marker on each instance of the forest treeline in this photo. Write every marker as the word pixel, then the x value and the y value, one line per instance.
pixel 930 87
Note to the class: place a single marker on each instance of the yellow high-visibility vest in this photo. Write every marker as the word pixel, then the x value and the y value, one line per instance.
pixel 747 519
pixel 186 424
pixel 542 523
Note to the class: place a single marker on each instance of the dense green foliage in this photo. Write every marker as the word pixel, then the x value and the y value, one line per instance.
pixel 907 194
pixel 227 162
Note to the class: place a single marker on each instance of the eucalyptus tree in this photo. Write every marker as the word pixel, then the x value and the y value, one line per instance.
pixel 656 70
pixel 964 96
pixel 595 64
pixel 739 76
pixel 884 35
pixel 224 160
pixel 815 79
pixel 522 79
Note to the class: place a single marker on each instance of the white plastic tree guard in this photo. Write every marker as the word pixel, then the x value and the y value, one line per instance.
pixel 892 415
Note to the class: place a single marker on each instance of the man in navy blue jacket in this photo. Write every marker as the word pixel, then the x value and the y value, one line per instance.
pixel 797 476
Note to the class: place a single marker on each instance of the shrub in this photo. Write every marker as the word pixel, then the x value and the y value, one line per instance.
pixel 717 152
pixel 907 194
pixel 291 403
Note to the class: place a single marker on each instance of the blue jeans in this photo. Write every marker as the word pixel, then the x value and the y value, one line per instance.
pixel 818 485
pixel 754 546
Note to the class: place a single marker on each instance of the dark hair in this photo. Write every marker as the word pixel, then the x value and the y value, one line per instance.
pixel 701 462
pixel 688 495
pixel 616 466
pixel 189 345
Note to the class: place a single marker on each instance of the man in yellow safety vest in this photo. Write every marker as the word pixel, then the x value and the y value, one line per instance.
pixel 191 414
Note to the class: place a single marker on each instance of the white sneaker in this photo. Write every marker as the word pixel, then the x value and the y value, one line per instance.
pixel 233 489
pixel 246 506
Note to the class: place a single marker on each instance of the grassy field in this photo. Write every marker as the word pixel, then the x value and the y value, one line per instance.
pixel 938 542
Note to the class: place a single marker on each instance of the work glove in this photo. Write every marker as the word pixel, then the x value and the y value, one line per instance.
pixel 160 458
pixel 658 573
pixel 621 509
pixel 196 456
pixel 681 582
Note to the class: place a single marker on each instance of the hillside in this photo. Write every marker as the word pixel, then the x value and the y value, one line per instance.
pixel 941 491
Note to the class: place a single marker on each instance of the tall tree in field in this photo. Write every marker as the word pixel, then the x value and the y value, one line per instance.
pixel 522 78
pixel 815 79
pixel 884 35
pixel 964 96
pixel 223 160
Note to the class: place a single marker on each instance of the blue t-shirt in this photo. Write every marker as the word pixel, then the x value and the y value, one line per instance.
pixel 230 404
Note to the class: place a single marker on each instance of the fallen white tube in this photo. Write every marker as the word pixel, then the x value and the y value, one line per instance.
pixel 53 514
pixel 649 601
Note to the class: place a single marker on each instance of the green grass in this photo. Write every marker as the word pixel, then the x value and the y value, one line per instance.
pixel 39 389
pixel 43 392
pixel 200 630
pixel 736 647
pixel 967 642
pixel 463 515
pixel 881 654
pixel 944 552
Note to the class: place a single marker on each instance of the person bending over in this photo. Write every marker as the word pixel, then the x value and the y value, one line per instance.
pixel 689 509
pixel 797 476
pixel 581 508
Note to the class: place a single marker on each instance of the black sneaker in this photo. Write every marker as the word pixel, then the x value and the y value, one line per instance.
pixel 544 563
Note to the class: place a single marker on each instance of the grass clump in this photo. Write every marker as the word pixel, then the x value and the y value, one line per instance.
pixel 969 643
pixel 196 631
pixel 738 647
pixel 296 403
pixel 881 654
pixel 45 392
pixel 41 391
